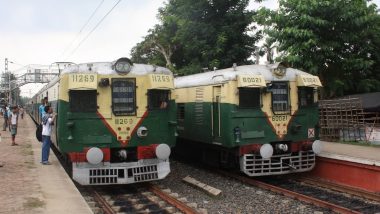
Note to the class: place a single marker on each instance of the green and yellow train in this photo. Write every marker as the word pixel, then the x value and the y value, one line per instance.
pixel 260 118
pixel 116 121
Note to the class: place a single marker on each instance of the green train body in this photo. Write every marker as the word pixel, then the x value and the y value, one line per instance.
pixel 263 119
pixel 115 121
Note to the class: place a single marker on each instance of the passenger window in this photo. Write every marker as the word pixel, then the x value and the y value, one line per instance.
pixel 180 111
pixel 83 100
pixel 249 98
pixel 305 96
pixel 280 96
pixel 124 97
pixel 158 99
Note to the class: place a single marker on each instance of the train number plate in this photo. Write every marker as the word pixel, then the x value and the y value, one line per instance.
pixel 82 81
pixel 279 118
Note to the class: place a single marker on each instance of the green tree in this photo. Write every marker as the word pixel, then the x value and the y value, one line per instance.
pixel 157 47
pixel 200 33
pixel 335 39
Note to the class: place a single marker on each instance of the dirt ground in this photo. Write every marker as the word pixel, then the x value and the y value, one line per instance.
pixel 19 188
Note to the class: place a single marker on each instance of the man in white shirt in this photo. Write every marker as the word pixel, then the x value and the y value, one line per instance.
pixel 47 123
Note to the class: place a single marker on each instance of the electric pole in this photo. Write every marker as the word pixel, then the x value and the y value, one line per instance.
pixel 9 81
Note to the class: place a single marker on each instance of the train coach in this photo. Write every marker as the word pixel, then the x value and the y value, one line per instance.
pixel 262 119
pixel 115 121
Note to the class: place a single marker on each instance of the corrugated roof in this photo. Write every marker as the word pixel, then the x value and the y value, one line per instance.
pixel 370 101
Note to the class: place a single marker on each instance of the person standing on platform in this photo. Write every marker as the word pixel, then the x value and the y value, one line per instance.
pixel 9 110
pixel 13 119
pixel 4 112
pixel 47 123
pixel 21 110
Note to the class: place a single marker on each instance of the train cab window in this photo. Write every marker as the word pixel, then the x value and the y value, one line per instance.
pixel 305 96
pixel 124 96
pixel 83 100
pixel 280 96
pixel 158 99
pixel 249 97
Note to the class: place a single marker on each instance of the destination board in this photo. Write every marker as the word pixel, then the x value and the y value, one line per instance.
pixel 82 81
pixel 161 81
pixel 251 81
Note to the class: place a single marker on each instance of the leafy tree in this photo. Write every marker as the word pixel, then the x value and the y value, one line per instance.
pixel 268 47
pixel 335 39
pixel 200 33
pixel 157 47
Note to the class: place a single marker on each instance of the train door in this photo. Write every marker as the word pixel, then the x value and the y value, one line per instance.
pixel 216 94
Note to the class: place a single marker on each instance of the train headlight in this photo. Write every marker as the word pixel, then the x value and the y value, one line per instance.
pixel 317 147
pixel 163 151
pixel 142 131
pixel 266 151
pixel 94 155
pixel 123 66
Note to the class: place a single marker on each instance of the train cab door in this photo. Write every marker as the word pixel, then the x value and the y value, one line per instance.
pixel 216 98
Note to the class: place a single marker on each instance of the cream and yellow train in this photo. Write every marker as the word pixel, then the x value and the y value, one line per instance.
pixel 262 119
pixel 116 120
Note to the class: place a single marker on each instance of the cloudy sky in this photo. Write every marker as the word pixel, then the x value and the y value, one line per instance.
pixel 47 31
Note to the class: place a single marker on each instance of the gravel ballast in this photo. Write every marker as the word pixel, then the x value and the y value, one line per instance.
pixel 236 197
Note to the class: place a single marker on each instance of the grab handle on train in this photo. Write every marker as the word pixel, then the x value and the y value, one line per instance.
pixel 70 126
pixel 172 123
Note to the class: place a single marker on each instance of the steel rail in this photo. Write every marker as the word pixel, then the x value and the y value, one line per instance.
pixel 341 188
pixel 105 205
pixel 171 200
pixel 291 194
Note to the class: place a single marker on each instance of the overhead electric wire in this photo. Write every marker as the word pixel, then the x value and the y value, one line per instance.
pixel 80 31
pixel 93 29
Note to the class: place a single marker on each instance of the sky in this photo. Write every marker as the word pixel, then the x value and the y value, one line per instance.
pixel 47 31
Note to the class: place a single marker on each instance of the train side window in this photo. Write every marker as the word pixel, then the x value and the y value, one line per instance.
pixel 83 100
pixel 124 97
pixel 180 111
pixel 249 97
pixel 280 96
pixel 158 99
pixel 305 96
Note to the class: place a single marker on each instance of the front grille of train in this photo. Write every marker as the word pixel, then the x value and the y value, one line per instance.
pixel 111 176
pixel 103 176
pixel 145 173
pixel 254 165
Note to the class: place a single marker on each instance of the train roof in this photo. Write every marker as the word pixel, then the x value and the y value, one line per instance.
pixel 228 74
pixel 106 68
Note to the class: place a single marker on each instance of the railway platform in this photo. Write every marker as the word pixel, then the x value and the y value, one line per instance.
pixel 355 166
pixel 27 186
pixel 364 154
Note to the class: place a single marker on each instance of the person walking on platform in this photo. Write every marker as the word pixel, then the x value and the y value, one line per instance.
pixel 47 123
pixel 13 119
pixel 4 112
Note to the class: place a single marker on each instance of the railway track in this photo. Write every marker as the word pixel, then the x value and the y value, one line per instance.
pixel 340 188
pixel 316 196
pixel 143 198
pixel 138 198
